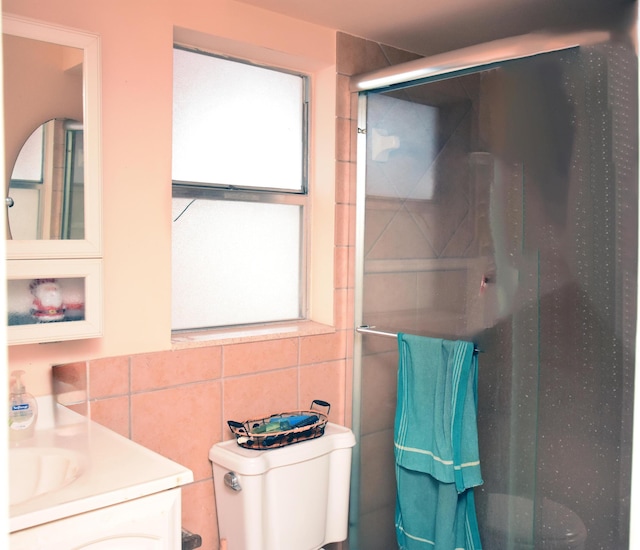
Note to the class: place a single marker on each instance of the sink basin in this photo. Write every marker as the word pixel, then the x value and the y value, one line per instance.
pixel 35 471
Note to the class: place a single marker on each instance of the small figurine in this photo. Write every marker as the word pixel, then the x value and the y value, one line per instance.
pixel 47 303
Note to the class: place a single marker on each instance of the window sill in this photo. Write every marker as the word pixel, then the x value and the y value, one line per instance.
pixel 271 331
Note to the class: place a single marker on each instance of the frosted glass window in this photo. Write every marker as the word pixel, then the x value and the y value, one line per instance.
pixel 239 193
pixel 403 148
pixel 237 124
pixel 234 263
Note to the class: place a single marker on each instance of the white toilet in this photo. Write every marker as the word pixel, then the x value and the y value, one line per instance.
pixel 510 518
pixel 292 498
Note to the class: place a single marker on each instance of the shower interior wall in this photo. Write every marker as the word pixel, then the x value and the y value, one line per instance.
pixel 514 227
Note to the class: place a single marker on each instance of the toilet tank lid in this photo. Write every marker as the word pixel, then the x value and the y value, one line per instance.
pixel 231 456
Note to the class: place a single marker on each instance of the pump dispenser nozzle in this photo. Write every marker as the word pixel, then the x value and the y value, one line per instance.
pixel 18 385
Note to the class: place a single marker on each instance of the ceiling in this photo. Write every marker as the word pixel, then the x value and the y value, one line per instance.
pixel 433 26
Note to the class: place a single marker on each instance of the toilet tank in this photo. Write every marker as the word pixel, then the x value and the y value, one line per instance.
pixel 292 498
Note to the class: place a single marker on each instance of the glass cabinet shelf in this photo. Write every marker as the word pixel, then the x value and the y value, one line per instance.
pixel 53 300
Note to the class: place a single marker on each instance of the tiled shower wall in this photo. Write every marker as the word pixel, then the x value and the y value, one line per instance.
pixel 177 402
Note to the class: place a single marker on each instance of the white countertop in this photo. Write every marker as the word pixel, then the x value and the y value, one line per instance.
pixel 115 469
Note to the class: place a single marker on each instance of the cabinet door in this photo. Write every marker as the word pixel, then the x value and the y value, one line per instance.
pixel 53 300
pixel 72 88
pixel 148 523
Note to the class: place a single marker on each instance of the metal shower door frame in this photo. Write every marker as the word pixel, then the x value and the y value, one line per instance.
pixel 412 73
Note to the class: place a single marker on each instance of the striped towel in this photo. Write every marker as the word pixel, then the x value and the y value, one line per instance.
pixel 436 445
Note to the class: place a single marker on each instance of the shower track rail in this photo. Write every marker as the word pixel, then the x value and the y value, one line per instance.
pixel 473 57
pixel 366 329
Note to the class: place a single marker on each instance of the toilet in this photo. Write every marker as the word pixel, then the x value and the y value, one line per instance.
pixel 510 518
pixel 291 498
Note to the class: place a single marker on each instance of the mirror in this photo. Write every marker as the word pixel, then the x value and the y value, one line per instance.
pixel 52 140
pixel 46 188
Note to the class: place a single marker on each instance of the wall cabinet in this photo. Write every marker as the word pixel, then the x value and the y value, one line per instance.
pixel 53 300
pixel 54 192
pixel 148 523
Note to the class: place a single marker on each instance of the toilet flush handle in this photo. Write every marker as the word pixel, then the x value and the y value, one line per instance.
pixel 231 481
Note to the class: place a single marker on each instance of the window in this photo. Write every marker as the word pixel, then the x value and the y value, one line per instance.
pixel 239 192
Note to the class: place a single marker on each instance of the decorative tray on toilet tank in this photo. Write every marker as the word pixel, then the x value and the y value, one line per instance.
pixel 279 430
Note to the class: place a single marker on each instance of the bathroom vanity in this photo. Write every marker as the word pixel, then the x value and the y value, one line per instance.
pixel 76 484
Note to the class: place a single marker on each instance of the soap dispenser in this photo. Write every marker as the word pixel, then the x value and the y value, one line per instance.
pixel 23 409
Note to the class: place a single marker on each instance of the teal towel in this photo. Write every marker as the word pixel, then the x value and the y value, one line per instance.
pixel 436 445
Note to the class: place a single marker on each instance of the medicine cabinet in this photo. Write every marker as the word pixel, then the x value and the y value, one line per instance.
pixel 53 187
pixel 52 139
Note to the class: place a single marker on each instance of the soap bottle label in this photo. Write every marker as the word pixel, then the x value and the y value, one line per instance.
pixel 21 416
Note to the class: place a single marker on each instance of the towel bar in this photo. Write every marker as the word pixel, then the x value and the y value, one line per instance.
pixel 366 329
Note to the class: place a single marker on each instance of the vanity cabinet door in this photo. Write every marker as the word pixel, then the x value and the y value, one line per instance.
pixel 148 523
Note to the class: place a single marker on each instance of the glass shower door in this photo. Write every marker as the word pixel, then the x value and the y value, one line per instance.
pixel 490 212
pixel 429 268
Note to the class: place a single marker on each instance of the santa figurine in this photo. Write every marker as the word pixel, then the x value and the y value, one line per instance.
pixel 47 303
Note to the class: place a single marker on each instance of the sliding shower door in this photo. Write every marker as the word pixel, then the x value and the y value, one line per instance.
pixel 499 206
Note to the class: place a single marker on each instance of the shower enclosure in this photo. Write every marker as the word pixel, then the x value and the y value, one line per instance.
pixel 497 203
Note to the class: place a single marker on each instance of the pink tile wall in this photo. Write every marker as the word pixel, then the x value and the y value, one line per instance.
pixel 177 402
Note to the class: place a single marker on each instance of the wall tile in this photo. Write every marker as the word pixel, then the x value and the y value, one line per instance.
pixel 351 220
pixel 259 395
pixel 343 182
pixel 390 293
pixel 354 100
pixel 353 140
pixel 401 237
pixel 325 347
pixel 380 388
pixel 444 290
pixel 112 413
pixel 377 477
pixel 343 97
pixel 255 357
pixel 69 383
pixel 349 357
pixel 355 55
pixel 351 271
pixel 325 381
pixel 341 267
pixel 170 368
pixel 342 224
pixel 376 529
pixel 108 377
pixel 343 139
pixel 80 408
pixel 199 512
pixel 348 385
pixel 396 56
pixel 180 423
pixel 343 308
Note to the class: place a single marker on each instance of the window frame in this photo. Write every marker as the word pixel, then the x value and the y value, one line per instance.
pixel 220 191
